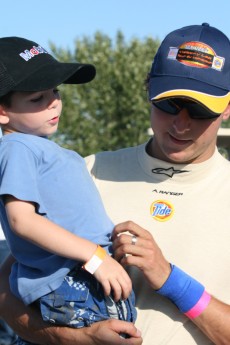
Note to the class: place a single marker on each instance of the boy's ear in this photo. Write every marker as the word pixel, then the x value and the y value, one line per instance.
pixel 4 119
pixel 226 113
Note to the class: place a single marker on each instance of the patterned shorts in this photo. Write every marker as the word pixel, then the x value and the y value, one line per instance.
pixel 80 301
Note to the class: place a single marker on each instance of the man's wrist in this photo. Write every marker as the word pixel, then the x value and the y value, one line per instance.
pixel 185 292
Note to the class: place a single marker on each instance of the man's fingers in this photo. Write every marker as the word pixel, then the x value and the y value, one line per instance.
pixel 132 228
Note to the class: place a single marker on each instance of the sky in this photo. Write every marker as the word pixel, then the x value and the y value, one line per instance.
pixel 63 21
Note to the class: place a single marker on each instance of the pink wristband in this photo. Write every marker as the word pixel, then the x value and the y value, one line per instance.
pixel 199 307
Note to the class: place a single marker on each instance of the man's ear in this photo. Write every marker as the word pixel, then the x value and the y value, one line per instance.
pixel 4 119
pixel 226 113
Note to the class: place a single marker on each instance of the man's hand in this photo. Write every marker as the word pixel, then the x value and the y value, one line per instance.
pixel 145 254
pixel 108 333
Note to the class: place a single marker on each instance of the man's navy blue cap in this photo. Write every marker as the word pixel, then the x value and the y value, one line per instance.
pixel 27 66
pixel 193 62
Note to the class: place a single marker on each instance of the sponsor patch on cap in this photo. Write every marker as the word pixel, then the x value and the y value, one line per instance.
pixel 196 54
pixel 29 54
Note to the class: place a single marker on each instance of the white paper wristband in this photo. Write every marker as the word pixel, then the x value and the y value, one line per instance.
pixel 96 260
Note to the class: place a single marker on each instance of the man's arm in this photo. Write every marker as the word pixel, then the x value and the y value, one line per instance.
pixel 27 323
pixel 213 321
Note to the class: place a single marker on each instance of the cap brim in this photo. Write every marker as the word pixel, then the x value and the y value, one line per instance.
pixel 56 73
pixel 165 87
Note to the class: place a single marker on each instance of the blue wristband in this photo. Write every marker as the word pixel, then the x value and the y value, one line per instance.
pixel 181 289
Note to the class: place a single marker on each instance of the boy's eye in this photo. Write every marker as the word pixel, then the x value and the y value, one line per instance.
pixel 56 92
pixel 37 99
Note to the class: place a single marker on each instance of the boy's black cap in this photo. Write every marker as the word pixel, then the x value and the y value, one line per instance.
pixel 26 66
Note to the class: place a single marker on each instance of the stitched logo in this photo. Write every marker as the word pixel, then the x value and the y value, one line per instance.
pixel 29 54
pixel 168 172
pixel 161 210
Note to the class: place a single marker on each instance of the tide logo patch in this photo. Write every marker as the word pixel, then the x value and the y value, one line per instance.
pixel 161 210
pixel 196 54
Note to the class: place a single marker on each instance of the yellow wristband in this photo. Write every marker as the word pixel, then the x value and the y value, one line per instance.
pixel 96 260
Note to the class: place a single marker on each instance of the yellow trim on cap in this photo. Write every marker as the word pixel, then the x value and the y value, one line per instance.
pixel 217 104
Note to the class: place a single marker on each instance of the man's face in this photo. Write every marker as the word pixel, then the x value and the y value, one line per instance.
pixel 181 139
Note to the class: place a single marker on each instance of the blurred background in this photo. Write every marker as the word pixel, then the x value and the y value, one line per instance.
pixel 120 37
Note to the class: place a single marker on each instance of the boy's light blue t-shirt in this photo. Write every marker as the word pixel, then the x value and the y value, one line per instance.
pixel 36 169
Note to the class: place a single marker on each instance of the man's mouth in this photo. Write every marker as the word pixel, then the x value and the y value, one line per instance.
pixel 179 141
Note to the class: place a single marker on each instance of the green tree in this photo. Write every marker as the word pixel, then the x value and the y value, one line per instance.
pixel 111 111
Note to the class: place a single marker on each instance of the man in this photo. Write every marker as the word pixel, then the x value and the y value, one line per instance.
pixel 177 187
pixel 7 335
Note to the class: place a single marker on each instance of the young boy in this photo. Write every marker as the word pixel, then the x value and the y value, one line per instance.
pixel 50 210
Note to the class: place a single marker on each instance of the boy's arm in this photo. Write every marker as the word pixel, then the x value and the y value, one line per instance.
pixel 27 323
pixel 26 223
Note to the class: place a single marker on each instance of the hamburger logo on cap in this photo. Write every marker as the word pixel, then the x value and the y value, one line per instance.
pixel 196 54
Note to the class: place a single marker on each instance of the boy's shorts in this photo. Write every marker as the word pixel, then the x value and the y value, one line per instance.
pixel 80 301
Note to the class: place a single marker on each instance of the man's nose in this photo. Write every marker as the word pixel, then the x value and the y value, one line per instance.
pixel 182 121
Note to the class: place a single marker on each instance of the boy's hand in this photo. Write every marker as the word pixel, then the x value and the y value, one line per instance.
pixel 114 279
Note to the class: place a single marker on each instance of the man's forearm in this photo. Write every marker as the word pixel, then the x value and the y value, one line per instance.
pixel 213 318
pixel 215 321
pixel 15 313
pixel 26 321
pixel 28 324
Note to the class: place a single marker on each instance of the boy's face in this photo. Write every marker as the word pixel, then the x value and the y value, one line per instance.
pixel 34 113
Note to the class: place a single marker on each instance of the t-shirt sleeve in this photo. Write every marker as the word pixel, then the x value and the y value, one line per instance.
pixel 18 172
